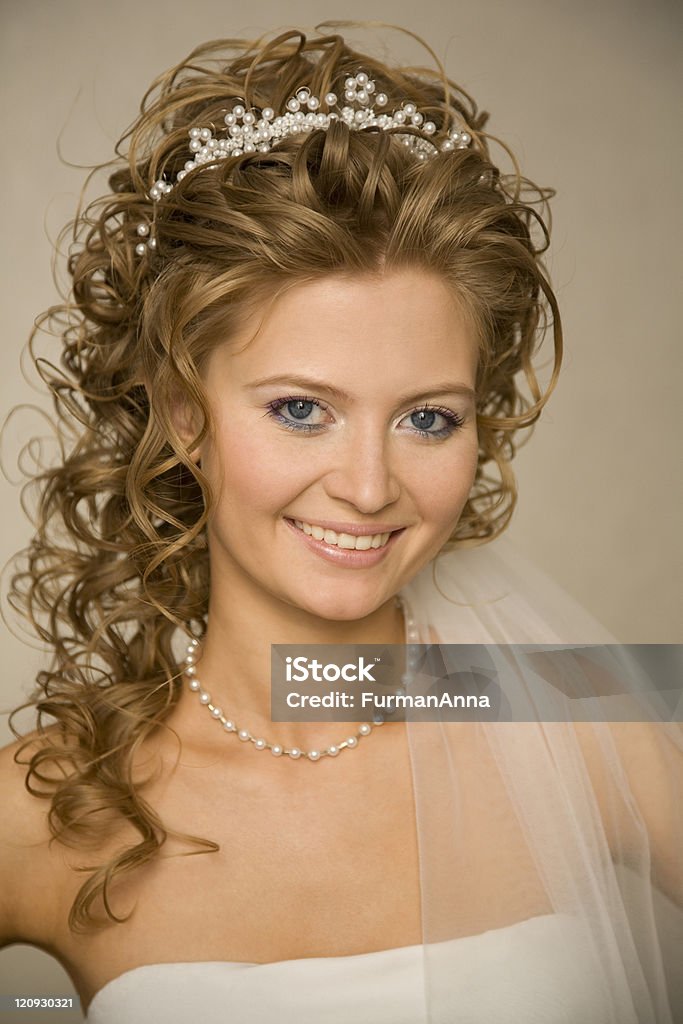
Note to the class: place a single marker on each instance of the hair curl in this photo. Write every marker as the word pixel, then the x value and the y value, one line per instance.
pixel 119 559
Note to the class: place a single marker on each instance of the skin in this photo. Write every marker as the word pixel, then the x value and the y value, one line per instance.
pixel 378 340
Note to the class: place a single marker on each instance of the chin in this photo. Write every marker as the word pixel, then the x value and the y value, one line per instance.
pixel 341 606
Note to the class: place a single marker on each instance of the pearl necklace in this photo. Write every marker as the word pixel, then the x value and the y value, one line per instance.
pixel 276 749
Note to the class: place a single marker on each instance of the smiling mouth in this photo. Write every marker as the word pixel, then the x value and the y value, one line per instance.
pixel 348 541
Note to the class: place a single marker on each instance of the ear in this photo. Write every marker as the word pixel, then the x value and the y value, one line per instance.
pixel 185 419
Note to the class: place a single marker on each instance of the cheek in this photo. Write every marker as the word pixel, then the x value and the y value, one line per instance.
pixel 252 472
pixel 441 485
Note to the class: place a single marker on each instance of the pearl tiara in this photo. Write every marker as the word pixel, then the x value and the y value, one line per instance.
pixel 248 132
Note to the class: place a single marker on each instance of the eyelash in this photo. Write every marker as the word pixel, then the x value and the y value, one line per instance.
pixel 454 421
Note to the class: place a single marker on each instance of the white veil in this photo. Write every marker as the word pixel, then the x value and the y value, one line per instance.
pixel 544 815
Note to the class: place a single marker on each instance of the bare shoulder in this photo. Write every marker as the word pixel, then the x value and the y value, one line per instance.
pixel 640 791
pixel 24 848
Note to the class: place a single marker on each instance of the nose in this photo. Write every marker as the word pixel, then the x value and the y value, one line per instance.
pixel 364 473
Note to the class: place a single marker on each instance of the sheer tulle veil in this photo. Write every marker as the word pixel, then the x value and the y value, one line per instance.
pixel 541 814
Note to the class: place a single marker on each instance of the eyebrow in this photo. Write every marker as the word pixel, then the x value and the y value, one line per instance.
pixel 441 387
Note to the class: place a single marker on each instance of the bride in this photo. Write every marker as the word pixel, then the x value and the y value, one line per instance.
pixel 300 324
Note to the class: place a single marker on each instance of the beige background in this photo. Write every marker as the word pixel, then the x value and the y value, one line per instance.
pixel 589 96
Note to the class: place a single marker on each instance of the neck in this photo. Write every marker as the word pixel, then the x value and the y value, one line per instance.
pixel 233 665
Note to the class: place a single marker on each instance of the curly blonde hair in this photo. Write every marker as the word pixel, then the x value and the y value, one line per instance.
pixel 119 560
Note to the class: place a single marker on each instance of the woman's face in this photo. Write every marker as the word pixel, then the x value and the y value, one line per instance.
pixel 351 410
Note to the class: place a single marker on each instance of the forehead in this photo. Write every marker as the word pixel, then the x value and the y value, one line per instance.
pixel 355 330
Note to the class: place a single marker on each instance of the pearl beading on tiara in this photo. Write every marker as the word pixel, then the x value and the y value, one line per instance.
pixel 295 753
pixel 247 131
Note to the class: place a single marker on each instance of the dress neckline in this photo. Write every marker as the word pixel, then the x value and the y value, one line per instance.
pixel 396 950
pixel 378 953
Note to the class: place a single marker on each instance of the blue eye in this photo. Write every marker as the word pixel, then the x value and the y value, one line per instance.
pixel 423 419
pixel 299 408
pixel 424 414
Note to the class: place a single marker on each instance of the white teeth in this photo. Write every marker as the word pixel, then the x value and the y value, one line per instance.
pixel 344 540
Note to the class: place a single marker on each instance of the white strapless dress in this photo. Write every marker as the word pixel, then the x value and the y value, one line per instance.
pixel 538 971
